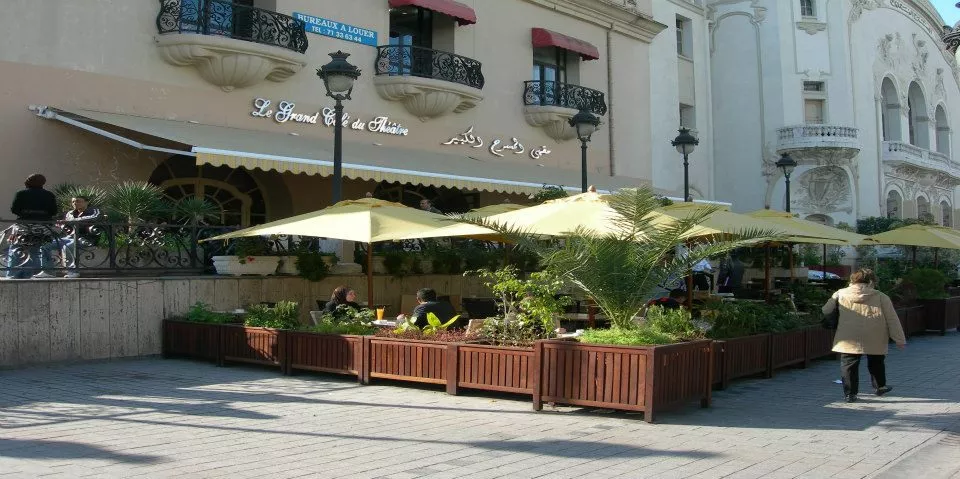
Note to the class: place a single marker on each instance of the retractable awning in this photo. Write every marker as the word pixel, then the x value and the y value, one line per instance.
pixel 541 37
pixel 253 149
pixel 464 14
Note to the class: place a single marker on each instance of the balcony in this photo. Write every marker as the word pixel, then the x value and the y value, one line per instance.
pixel 550 105
pixel 231 45
pixel 819 143
pixel 429 83
pixel 920 162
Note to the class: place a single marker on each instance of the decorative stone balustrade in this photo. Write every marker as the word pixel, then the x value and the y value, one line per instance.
pixel 819 142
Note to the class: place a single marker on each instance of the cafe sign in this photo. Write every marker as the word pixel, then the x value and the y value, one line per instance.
pixel 286 112
pixel 497 147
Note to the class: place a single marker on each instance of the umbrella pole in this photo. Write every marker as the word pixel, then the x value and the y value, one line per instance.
pixel 914 256
pixel 370 276
pixel 790 255
pixel 823 268
pixel 766 271
pixel 936 259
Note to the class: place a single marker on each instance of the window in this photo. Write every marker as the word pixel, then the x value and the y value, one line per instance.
pixel 806 8
pixel 688 117
pixel 411 32
pixel 814 102
pixel 551 66
pixel 684 39
pixel 894 204
pixel 234 192
pixel 923 209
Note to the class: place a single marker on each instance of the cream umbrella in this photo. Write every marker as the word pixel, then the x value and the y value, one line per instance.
pixel 928 236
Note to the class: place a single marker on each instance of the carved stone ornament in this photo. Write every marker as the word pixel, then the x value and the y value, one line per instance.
pixel 811 27
pixel 554 120
pixel 229 63
pixel 857 7
pixel 427 98
pixel 823 189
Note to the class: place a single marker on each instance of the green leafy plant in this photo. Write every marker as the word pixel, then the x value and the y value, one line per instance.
pixel 134 201
pixel 398 263
pixel 341 328
pixel 445 260
pixel 248 247
pixel 731 319
pixel 66 191
pixel 434 325
pixel 928 283
pixel 201 313
pixel 548 192
pixel 509 333
pixel 633 336
pixel 285 315
pixel 674 322
pixel 196 211
pixel 531 303
pixel 312 266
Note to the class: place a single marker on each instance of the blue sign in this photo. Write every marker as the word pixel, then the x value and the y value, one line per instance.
pixel 330 28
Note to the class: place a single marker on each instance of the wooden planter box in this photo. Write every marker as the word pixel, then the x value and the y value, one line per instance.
pixel 633 378
pixel 329 353
pixel 741 357
pixel 787 349
pixel 408 360
pixel 942 314
pixel 916 322
pixel 819 343
pixel 245 344
pixel 186 339
pixel 495 368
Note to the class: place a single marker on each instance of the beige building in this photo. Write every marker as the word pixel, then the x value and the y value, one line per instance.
pixel 464 103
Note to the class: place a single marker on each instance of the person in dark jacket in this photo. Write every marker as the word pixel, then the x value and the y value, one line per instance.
pixel 427 303
pixel 731 274
pixel 342 297
pixel 77 232
pixel 30 204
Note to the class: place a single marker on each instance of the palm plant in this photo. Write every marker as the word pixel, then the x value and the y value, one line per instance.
pixel 134 200
pixel 621 270
pixel 196 211
pixel 66 191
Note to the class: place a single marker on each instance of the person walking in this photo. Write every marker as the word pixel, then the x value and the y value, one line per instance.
pixel 866 320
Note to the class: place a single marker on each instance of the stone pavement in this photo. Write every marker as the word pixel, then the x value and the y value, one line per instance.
pixel 157 418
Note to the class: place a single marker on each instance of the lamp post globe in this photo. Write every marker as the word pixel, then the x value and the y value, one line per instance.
pixel 787 164
pixel 685 143
pixel 338 78
pixel 586 124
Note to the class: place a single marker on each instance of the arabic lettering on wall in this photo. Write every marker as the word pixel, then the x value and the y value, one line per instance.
pixel 286 112
pixel 497 146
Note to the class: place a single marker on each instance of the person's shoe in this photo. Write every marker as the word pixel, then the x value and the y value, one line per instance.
pixel 883 390
pixel 850 398
pixel 43 275
pixel 71 275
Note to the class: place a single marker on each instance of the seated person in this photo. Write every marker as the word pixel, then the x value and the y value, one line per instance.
pixel 342 296
pixel 427 303
pixel 75 235
pixel 675 300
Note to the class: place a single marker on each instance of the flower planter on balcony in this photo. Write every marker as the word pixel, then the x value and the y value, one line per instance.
pixel 329 353
pixel 254 265
pixel 244 344
pixel 187 339
pixel 741 357
pixel 632 378
pixel 941 315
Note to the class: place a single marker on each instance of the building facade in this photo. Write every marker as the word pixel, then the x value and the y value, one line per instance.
pixel 863 94
pixel 463 103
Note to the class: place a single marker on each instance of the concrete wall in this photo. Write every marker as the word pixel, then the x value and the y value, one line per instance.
pixel 61 320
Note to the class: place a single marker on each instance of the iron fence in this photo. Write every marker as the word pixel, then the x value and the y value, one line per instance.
pixel 233 20
pixel 408 60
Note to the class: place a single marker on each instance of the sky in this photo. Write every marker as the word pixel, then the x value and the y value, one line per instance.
pixel 948 10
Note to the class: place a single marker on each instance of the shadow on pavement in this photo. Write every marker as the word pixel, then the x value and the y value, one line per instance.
pixel 36 449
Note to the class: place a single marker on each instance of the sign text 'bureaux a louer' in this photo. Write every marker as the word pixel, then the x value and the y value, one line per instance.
pixel 342 31
pixel 285 112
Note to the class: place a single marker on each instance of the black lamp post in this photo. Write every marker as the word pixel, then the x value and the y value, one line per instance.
pixel 338 77
pixel 586 123
pixel 685 144
pixel 787 164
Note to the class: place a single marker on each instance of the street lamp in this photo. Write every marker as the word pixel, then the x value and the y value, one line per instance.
pixel 685 144
pixel 338 77
pixel 787 164
pixel 586 123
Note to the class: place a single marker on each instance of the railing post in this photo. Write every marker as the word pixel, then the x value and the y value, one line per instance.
pixel 204 20
pixel 112 246
pixel 453 368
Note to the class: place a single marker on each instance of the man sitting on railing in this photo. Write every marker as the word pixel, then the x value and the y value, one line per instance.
pixel 75 235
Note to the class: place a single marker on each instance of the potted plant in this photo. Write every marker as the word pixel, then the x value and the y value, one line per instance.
pixel 251 256
pixel 261 339
pixel 930 287
pixel 196 335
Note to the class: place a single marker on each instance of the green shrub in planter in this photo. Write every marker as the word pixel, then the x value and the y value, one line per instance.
pixel 639 336
pixel 285 315
pixel 201 313
pixel 927 282
pixel 312 266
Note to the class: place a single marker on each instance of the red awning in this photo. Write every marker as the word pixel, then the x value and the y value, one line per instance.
pixel 464 14
pixel 547 38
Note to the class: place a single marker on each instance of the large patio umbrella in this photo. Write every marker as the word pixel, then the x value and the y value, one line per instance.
pixel 366 220
pixel 919 236
pixel 493 210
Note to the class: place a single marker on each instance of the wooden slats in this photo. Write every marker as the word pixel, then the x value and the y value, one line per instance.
pixel 253 345
pixel 191 340
pixel 495 368
pixel 788 348
pixel 329 353
pixel 417 361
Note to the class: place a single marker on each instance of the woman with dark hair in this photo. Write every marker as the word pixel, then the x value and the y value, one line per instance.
pixel 30 204
pixel 342 296
pixel 866 323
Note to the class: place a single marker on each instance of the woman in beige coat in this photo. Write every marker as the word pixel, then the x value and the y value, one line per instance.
pixel 867 320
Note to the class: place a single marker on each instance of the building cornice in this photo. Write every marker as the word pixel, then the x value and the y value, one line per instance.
pixel 613 14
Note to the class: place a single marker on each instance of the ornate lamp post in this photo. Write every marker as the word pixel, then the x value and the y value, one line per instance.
pixel 338 77
pixel 586 123
pixel 685 144
pixel 787 164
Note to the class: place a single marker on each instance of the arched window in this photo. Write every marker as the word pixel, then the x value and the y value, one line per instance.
pixel 806 8
pixel 946 215
pixel 919 122
pixel 923 209
pixel 890 111
pixel 943 131
pixel 232 190
pixel 894 204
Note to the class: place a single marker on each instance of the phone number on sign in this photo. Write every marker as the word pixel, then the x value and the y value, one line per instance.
pixel 335 34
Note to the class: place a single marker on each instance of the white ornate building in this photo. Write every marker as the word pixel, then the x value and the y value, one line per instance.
pixel 863 94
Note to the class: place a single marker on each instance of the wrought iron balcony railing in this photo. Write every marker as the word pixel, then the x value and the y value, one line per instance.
pixel 228 19
pixel 951 38
pixel 551 93
pixel 408 60
pixel 104 248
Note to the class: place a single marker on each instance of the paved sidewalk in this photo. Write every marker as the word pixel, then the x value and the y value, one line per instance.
pixel 156 418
